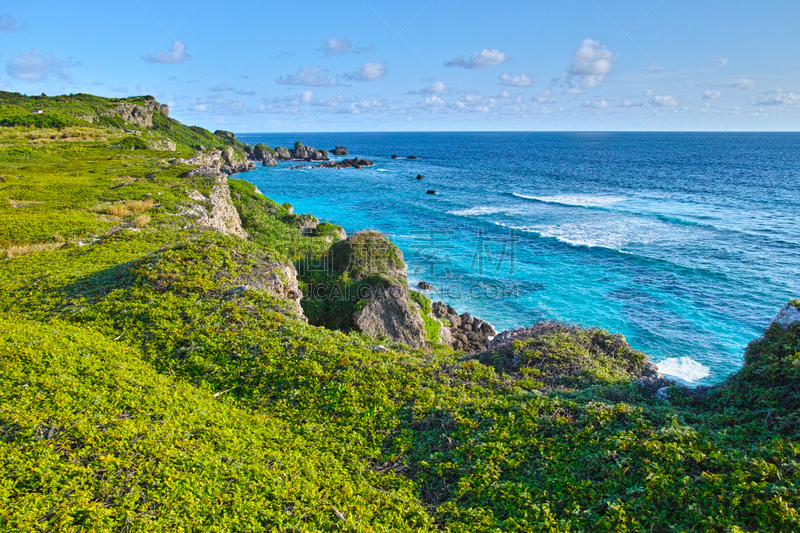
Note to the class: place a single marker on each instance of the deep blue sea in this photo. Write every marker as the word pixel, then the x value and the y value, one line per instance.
pixel 686 243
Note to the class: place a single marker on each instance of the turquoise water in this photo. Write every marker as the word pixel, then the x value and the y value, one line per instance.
pixel 686 243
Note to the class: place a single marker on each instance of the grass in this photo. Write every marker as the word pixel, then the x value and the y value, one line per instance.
pixel 142 390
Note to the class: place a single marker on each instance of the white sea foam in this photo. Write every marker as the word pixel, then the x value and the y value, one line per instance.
pixel 383 170
pixel 480 210
pixel 683 368
pixel 577 200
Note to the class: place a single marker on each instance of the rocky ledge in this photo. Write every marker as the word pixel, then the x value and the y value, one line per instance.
pixel 347 163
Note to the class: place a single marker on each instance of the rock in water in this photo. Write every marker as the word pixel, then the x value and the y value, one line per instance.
pixel 395 156
pixel 339 150
pixel 431 192
pixel 419 176
pixel 412 157
pixel 425 286
pixel 283 153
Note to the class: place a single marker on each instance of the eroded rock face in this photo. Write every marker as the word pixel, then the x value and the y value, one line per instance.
pixel 389 312
pixel 787 316
pixel 141 115
pixel 283 153
pixel 276 278
pixel 217 210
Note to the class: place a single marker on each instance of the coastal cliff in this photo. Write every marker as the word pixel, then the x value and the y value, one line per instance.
pixel 178 351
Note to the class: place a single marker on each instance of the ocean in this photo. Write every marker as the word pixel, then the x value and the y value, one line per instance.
pixel 688 244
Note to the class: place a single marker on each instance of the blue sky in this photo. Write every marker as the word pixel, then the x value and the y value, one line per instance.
pixel 420 65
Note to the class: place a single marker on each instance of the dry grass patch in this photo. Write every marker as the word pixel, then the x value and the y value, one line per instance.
pixel 141 220
pixel 22 203
pixel 26 249
pixel 128 207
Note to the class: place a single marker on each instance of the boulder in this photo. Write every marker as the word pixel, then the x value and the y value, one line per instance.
pixel 419 177
pixel 431 192
pixel 395 156
pixel 339 150
pixel 389 312
pixel 425 286
pixel 283 153
pixel 270 160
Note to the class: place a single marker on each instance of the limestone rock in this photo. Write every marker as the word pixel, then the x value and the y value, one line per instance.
pixel 216 211
pixel 390 313
pixel 283 154
pixel 141 115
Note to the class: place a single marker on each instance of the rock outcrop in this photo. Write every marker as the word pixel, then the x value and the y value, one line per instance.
pixel 283 153
pixel 141 115
pixel 347 163
pixel 389 312
pixel 339 150
pixel 306 153
pixel 276 278
pixel 217 210
pixel 372 259
pixel 233 162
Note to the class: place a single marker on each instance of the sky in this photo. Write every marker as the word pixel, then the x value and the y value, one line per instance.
pixel 420 65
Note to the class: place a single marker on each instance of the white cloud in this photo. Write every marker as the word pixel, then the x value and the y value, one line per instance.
pixel 432 101
pixel 505 94
pixel 200 107
pixel 341 46
pixel 628 103
pixel 480 59
pixel 665 100
pixel 654 68
pixel 591 63
pixel 545 97
pixel 711 95
pixel 742 83
pixel 436 87
pixel 778 97
pixel 311 77
pixel 370 72
pixel 598 104
pixel 523 80
pixel 9 23
pixel 176 54
pixel 35 66
pixel 306 96
pixel 720 62
pixel 221 87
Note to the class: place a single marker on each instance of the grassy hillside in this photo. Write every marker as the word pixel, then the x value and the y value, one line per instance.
pixel 139 392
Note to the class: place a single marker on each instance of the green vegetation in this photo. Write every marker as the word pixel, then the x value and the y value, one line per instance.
pixel 431 325
pixel 152 379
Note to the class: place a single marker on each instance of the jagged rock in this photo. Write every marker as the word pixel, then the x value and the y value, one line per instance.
pixel 164 144
pixel 141 115
pixel 431 192
pixel 339 150
pixel 389 312
pixel 306 153
pixel 283 154
pixel 419 177
pixel 347 163
pixel 216 211
pixel 269 160
pixel 787 316
pixel 425 286
pixel 227 135
pixel 462 332
pixel 379 348
pixel 205 171
pixel 412 157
